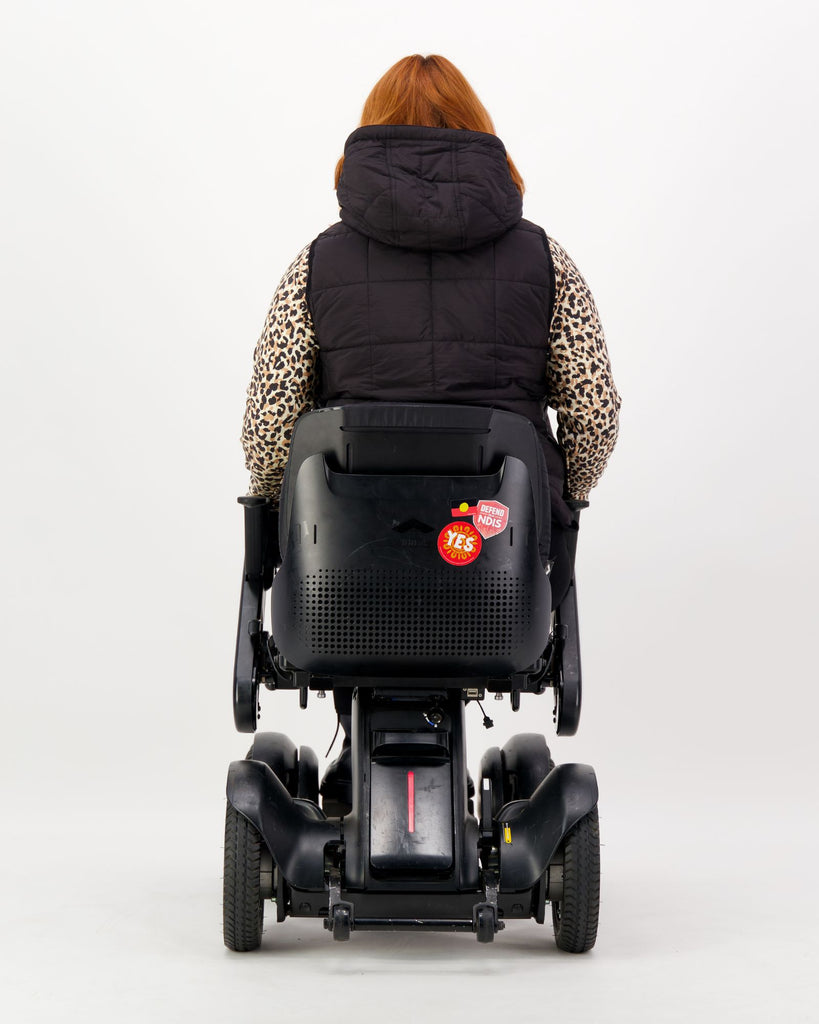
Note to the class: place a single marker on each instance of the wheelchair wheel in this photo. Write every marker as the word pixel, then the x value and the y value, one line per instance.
pixel 575 913
pixel 243 906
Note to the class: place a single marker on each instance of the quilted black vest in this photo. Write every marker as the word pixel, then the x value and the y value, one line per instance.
pixel 432 288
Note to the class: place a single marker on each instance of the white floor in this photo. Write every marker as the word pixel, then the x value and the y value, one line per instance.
pixel 707 914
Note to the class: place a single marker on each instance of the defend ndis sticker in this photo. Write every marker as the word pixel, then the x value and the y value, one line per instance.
pixel 489 517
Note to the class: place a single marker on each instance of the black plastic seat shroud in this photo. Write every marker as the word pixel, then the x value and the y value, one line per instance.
pixel 363 589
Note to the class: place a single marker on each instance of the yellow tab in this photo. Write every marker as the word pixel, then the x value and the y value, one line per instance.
pixel 507 835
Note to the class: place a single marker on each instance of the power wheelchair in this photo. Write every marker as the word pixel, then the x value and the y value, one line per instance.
pixel 405 563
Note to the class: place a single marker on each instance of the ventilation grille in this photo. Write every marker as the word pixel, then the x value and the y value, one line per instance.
pixel 391 613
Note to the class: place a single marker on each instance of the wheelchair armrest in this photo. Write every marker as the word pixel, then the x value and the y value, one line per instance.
pixel 261 538
pixel 245 665
pixel 261 558
pixel 570 681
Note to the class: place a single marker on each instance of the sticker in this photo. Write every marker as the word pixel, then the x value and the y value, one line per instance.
pixel 459 543
pixel 490 517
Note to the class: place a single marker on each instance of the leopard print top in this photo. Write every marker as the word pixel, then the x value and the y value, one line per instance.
pixel 580 385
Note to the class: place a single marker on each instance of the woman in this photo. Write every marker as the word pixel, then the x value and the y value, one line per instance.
pixel 432 288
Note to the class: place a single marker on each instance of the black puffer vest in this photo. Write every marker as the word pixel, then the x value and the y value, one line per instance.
pixel 432 288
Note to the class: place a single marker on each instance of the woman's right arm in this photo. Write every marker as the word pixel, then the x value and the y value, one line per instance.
pixel 283 383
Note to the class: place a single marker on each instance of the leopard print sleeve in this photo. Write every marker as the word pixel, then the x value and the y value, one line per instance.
pixel 580 384
pixel 283 383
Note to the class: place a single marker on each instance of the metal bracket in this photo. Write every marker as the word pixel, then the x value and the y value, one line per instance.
pixel 485 920
pixel 267 875
pixel 554 880
pixel 485 810
pixel 340 920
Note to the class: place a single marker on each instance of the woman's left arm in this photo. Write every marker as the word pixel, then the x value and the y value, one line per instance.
pixel 283 383
pixel 580 383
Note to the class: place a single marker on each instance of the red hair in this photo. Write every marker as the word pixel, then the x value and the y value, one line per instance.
pixel 428 91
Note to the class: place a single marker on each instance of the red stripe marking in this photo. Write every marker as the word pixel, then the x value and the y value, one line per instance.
pixel 411 800
pixel 471 511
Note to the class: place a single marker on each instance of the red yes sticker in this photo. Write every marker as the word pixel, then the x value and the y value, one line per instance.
pixel 459 543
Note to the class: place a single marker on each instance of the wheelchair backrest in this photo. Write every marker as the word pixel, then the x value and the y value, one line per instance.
pixel 410 537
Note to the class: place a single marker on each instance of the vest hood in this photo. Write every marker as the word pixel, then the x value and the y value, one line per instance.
pixel 427 188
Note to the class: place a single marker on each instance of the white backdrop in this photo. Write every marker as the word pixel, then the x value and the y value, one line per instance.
pixel 162 164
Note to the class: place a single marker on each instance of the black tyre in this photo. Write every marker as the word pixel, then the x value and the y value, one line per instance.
pixel 485 925
pixel 243 907
pixel 575 913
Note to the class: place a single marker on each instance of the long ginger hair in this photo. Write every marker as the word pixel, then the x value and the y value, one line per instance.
pixel 427 91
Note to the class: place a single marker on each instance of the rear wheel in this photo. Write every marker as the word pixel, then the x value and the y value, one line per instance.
pixel 243 907
pixel 576 911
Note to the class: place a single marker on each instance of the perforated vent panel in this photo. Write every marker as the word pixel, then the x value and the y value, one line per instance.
pixel 377 613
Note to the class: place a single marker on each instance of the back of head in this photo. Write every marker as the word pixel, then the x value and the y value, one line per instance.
pixel 428 92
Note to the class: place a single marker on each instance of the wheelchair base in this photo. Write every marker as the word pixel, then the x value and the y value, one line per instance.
pixel 410 855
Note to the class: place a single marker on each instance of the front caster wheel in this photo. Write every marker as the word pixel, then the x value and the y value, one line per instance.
pixel 576 903
pixel 341 923
pixel 485 924
pixel 243 906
